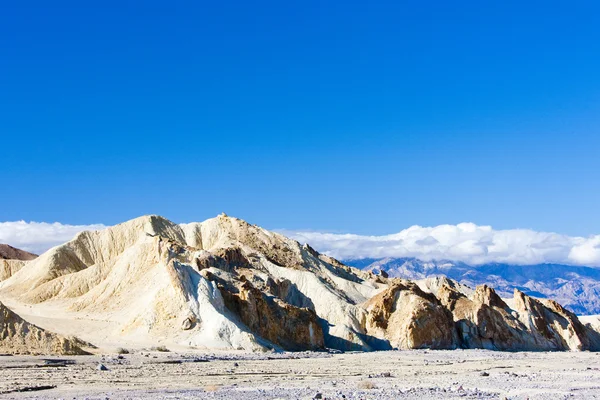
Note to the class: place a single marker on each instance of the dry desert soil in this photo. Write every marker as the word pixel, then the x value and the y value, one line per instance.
pixel 423 374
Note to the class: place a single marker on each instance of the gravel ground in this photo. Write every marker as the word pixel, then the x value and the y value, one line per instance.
pixel 381 375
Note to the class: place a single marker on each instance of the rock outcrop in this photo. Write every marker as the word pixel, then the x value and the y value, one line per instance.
pixel 288 326
pixel 18 336
pixel 575 287
pixel 486 321
pixel 224 283
pixel 409 318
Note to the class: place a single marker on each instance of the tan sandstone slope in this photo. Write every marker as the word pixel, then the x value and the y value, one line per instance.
pixel 224 283
pixel 18 336
pixel 9 267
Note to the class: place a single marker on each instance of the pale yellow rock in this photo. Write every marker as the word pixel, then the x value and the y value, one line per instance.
pixel 410 318
pixel 18 336
pixel 9 267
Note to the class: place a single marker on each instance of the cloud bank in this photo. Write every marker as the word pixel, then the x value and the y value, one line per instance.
pixel 37 237
pixel 464 242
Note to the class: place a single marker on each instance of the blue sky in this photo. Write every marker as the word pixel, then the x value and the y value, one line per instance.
pixel 343 116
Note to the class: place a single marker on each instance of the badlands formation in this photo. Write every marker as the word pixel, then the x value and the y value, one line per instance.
pixel 20 337
pixel 226 284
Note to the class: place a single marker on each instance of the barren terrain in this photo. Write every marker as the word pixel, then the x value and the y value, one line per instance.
pixel 212 309
pixel 377 375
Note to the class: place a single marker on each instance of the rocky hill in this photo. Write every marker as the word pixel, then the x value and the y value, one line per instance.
pixel 224 283
pixel 577 288
pixel 12 253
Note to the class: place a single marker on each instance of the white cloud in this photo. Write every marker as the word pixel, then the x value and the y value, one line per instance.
pixel 464 242
pixel 38 237
pixel 587 252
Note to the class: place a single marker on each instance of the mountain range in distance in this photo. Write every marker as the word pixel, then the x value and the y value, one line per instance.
pixel 577 288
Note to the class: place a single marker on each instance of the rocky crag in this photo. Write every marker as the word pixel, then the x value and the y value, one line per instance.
pixel 575 287
pixel 224 283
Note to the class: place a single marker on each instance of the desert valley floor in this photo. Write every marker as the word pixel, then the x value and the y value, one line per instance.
pixel 424 374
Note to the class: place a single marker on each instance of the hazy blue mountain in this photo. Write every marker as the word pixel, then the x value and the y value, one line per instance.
pixel 576 288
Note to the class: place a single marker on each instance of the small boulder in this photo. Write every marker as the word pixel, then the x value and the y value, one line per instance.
pixel 187 324
pixel 101 367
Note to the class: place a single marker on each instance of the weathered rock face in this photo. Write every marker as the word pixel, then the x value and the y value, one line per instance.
pixel 552 325
pixel 292 328
pixel 486 321
pixel 224 283
pixel 441 313
pixel 9 267
pixel 263 303
pixel 17 336
pixel 409 318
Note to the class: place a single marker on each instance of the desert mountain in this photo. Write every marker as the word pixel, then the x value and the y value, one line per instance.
pixel 577 288
pixel 12 253
pixel 224 283
pixel 18 336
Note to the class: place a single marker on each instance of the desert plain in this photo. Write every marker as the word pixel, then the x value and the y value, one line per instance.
pixel 424 374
